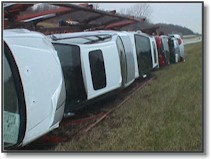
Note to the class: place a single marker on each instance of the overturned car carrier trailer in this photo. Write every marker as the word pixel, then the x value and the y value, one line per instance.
pixel 46 78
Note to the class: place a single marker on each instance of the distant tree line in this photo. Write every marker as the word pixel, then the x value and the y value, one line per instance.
pixel 144 10
pixel 171 28
pixel 161 28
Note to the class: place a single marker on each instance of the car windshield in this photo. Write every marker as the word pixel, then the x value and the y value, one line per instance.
pixel 13 103
pixel 69 56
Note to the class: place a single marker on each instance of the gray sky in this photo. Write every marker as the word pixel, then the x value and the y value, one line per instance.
pixel 184 14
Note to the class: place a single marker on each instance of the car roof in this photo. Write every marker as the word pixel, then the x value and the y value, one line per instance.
pixel 80 34
pixel 11 33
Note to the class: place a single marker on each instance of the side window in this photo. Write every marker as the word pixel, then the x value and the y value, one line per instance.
pixel 97 69
pixel 171 45
pixel 14 105
pixel 154 49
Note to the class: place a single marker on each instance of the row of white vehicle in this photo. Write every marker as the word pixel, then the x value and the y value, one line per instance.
pixel 46 78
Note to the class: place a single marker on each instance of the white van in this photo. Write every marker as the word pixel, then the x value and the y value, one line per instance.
pixel 174 50
pixel 91 67
pixel 181 46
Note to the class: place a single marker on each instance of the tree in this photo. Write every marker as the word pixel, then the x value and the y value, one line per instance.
pixel 138 10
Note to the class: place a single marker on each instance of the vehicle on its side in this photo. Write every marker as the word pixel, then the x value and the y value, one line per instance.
pixel 34 90
pixel 163 50
pixel 94 64
pixel 166 48
pixel 174 50
pixel 181 45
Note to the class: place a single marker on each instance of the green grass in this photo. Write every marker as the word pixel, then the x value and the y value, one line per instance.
pixel 165 115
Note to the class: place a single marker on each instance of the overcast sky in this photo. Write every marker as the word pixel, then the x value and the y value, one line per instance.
pixel 185 14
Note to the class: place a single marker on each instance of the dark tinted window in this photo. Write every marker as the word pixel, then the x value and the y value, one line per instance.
pixel 144 56
pixel 97 69
pixel 171 50
pixel 14 104
pixel 171 46
pixel 69 56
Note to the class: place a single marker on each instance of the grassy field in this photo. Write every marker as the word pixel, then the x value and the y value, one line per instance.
pixel 165 115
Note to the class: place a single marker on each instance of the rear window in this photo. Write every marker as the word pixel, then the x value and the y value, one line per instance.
pixel 142 44
pixel 143 50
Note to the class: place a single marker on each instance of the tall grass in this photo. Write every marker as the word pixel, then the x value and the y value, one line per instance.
pixel 165 115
